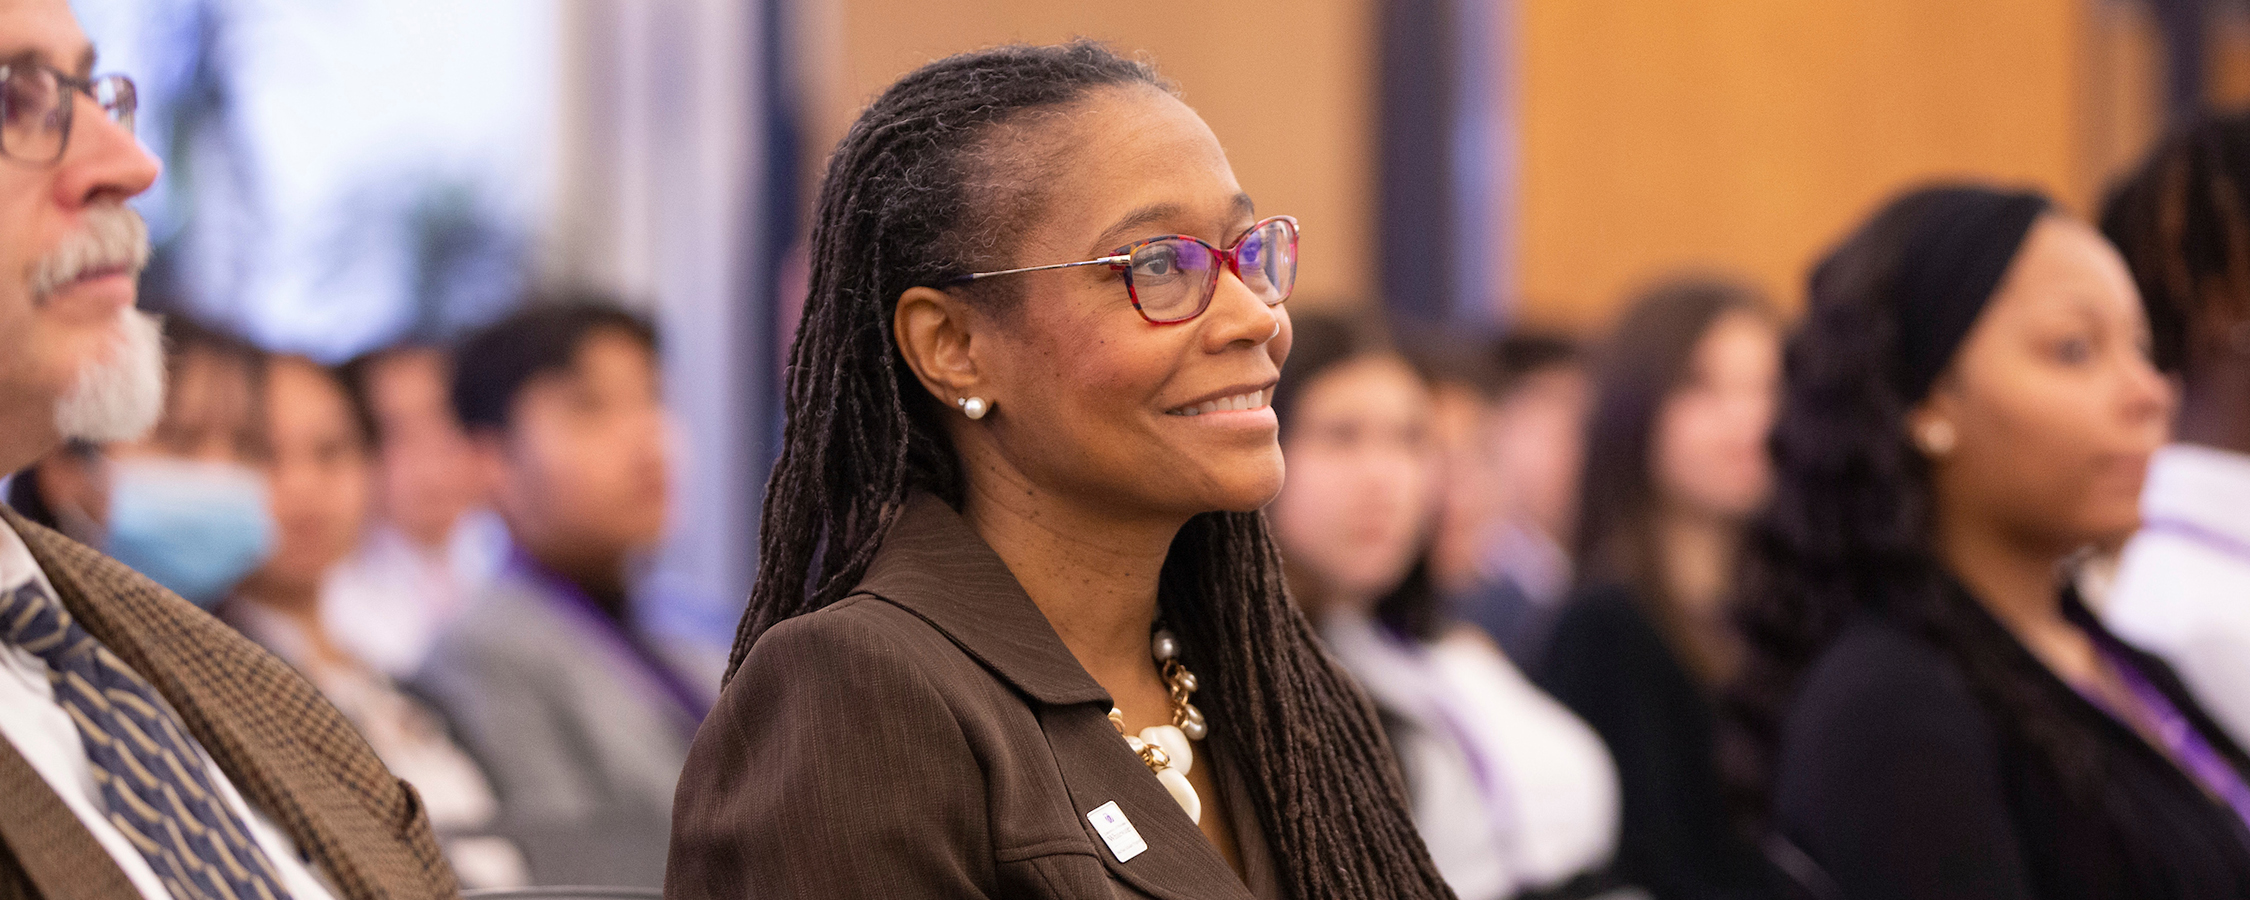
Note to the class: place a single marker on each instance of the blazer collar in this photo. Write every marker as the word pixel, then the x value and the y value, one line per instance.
pixel 934 565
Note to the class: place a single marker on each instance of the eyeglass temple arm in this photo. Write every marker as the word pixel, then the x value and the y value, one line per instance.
pixel 1104 261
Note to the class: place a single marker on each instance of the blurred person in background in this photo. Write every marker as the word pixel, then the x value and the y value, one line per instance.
pixel 434 542
pixel 1463 382
pixel 320 481
pixel 2182 221
pixel 1676 465
pixel 1971 404
pixel 125 712
pixel 185 504
pixel 582 720
pixel 1513 794
pixel 1534 432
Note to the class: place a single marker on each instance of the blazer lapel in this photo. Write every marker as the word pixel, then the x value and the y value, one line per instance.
pixel 1180 863
pixel 934 565
pixel 60 858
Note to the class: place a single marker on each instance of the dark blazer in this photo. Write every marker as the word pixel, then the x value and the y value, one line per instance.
pixel 286 749
pixel 1895 778
pixel 930 736
pixel 1677 836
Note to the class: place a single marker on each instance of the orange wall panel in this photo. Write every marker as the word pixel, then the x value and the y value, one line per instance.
pixel 1287 85
pixel 1747 135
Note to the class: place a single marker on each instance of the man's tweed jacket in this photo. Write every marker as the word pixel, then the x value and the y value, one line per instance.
pixel 290 753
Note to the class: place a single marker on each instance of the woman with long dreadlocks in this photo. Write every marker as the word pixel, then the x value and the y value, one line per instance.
pixel 1018 628
pixel 1969 403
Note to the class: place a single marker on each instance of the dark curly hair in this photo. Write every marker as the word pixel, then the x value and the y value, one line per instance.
pixel 924 189
pixel 1849 527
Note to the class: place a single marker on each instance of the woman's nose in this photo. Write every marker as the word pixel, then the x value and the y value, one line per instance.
pixel 1239 316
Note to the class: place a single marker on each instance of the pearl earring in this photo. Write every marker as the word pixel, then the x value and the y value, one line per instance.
pixel 973 407
pixel 1936 438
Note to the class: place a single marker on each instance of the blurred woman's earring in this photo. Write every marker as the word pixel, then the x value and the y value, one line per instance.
pixel 973 407
pixel 1936 438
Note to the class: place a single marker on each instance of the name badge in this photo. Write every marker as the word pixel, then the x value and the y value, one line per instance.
pixel 1117 831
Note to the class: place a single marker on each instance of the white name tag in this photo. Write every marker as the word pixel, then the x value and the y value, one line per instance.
pixel 1117 831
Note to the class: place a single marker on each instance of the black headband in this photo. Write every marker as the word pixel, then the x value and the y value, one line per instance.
pixel 1962 240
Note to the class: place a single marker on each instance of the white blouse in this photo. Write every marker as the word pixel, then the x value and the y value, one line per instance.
pixel 2183 586
pixel 1510 790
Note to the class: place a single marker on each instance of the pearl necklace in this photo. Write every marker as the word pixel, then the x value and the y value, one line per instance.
pixel 1169 750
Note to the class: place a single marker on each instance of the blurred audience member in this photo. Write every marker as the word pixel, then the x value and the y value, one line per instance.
pixel 1970 404
pixel 1463 383
pixel 2183 588
pixel 433 543
pixel 186 504
pixel 582 720
pixel 1511 792
pixel 1676 465
pixel 1535 439
pixel 319 479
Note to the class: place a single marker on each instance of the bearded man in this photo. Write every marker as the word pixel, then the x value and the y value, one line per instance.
pixel 145 749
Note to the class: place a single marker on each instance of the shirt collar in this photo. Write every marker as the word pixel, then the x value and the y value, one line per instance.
pixel 935 566
pixel 2199 486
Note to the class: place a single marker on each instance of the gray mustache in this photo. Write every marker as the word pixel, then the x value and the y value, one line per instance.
pixel 113 238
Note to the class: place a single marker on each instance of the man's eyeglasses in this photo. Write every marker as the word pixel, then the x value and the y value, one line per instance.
pixel 1172 278
pixel 37 102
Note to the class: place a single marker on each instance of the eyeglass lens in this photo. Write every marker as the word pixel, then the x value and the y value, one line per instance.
pixel 1267 261
pixel 1174 278
pixel 36 104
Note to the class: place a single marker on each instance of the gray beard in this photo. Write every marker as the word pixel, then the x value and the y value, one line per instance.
pixel 119 397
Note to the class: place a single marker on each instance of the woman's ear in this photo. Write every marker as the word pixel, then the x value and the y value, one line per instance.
pixel 934 333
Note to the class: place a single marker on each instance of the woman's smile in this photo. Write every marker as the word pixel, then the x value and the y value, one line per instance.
pixel 1254 400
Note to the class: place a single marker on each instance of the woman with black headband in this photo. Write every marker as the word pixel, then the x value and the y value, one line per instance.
pixel 1969 404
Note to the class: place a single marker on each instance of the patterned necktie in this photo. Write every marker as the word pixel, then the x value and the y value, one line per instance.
pixel 158 791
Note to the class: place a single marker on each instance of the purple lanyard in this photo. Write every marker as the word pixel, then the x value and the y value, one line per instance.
pixel 2201 534
pixel 2185 742
pixel 573 600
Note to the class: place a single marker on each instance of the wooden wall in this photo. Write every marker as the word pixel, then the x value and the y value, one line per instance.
pixel 1748 135
pixel 1652 136
pixel 1286 85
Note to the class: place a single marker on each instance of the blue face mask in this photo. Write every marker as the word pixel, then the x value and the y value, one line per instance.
pixel 194 527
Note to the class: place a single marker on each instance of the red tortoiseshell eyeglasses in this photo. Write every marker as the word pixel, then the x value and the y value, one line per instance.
pixel 1172 278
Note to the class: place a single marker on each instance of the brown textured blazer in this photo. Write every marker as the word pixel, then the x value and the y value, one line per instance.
pixel 930 736
pixel 285 748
